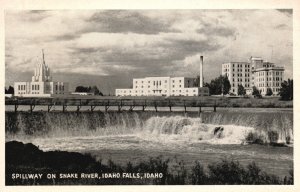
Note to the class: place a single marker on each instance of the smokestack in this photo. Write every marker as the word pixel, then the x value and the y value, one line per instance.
pixel 201 71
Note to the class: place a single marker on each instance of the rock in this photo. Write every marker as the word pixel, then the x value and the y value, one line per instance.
pixel 218 131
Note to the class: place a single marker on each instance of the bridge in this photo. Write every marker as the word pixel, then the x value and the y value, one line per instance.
pixel 108 103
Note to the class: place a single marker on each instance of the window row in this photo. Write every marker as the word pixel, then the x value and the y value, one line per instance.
pixel 59 88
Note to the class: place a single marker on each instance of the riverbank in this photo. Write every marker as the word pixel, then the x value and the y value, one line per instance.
pixel 25 161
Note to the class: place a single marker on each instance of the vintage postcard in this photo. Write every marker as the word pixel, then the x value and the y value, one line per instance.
pixel 121 96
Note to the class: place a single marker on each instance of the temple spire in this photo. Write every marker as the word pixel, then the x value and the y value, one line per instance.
pixel 43 56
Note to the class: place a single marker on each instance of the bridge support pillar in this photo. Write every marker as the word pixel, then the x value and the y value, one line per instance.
pixel 16 107
pixel 49 108
pixel 199 110
pixel 31 108
pixel 64 108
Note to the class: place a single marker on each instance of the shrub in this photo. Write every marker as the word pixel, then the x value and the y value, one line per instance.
pixel 28 158
pixel 226 172
pixel 198 175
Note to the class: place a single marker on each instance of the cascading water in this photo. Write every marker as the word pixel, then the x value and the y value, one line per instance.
pixel 136 136
pixel 164 127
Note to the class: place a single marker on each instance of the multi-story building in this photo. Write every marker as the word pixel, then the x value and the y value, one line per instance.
pixel 163 86
pixel 41 84
pixel 238 73
pixel 167 86
pixel 268 77
pixel 256 72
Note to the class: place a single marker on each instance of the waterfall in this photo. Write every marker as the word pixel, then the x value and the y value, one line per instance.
pixel 150 125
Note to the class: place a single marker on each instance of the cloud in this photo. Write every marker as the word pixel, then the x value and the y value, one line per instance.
pixel 139 43
pixel 120 21
pixel 288 12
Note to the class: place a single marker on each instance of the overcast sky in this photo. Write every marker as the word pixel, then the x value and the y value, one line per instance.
pixel 109 48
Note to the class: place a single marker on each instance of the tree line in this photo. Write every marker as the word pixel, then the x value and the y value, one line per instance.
pixel 94 90
pixel 10 90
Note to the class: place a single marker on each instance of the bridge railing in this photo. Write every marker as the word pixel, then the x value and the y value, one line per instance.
pixel 114 102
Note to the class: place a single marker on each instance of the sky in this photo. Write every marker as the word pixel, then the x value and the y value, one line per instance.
pixel 108 48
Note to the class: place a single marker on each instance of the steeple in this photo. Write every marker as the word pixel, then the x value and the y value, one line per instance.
pixel 43 56
pixel 42 72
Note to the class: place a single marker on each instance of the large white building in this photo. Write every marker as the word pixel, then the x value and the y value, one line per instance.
pixel 41 84
pixel 163 86
pixel 256 72
pixel 166 86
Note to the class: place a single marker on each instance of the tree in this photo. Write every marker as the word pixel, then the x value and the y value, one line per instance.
pixel 81 89
pixel 286 90
pixel 241 90
pixel 10 90
pixel 95 90
pixel 196 81
pixel 269 92
pixel 219 85
pixel 255 91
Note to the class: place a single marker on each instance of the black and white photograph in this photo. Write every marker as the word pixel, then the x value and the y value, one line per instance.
pixel 149 97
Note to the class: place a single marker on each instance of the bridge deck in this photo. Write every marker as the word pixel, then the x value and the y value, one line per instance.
pixel 131 103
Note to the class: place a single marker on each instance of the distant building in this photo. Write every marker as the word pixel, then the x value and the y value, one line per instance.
pixel 163 86
pixel 41 84
pixel 166 86
pixel 256 72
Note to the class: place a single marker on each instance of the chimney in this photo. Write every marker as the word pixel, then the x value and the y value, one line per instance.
pixel 201 71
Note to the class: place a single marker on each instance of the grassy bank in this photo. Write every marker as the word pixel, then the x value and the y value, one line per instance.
pixel 27 158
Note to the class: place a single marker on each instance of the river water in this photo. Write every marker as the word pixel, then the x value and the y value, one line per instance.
pixel 136 136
